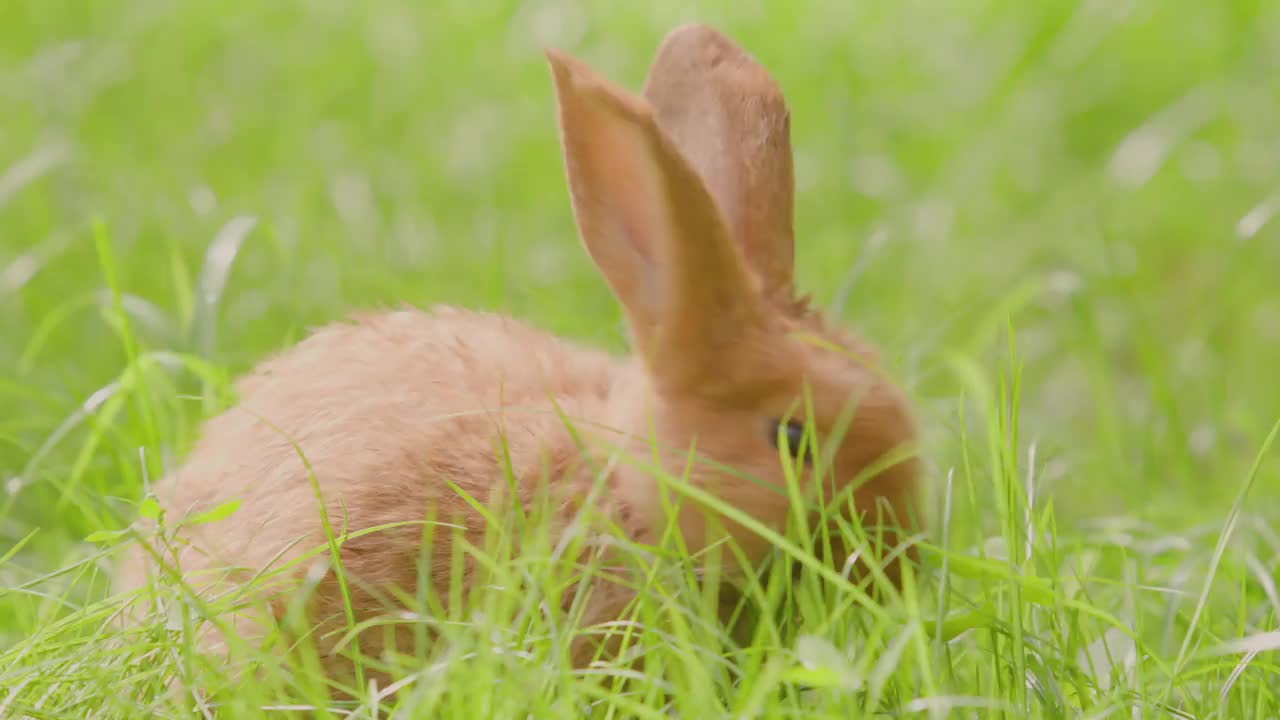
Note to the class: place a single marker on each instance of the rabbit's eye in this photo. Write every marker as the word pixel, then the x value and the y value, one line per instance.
pixel 792 434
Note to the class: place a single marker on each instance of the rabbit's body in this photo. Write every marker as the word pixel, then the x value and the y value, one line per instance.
pixel 390 418
pixel 383 413
pixel 683 200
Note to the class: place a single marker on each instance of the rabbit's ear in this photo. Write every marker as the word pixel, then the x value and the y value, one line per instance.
pixel 728 117
pixel 651 226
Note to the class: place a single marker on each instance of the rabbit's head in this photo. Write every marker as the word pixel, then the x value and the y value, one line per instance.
pixel 683 198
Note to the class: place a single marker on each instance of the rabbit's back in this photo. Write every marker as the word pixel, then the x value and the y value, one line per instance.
pixel 383 412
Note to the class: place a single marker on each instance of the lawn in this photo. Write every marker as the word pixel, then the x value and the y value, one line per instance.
pixel 1056 220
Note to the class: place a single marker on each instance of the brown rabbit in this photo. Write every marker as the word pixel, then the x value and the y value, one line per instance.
pixel 683 199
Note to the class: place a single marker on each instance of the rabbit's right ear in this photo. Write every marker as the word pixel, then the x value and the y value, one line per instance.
pixel 729 118
pixel 652 228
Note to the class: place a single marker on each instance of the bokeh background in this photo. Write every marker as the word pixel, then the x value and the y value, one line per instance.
pixel 1100 177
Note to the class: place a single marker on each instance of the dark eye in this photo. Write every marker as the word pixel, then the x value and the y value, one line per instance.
pixel 792 434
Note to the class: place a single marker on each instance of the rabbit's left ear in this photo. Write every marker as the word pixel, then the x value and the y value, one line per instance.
pixel 653 230
pixel 728 117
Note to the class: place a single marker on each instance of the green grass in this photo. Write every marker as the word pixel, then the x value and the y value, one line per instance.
pixel 1056 219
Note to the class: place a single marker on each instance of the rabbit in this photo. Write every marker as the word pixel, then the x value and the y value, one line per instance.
pixel 682 197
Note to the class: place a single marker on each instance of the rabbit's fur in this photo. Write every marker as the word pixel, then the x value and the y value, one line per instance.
pixel 683 198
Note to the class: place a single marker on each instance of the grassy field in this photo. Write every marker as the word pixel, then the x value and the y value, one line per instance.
pixel 1055 218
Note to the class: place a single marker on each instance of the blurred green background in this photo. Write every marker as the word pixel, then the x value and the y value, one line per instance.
pixel 1100 176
